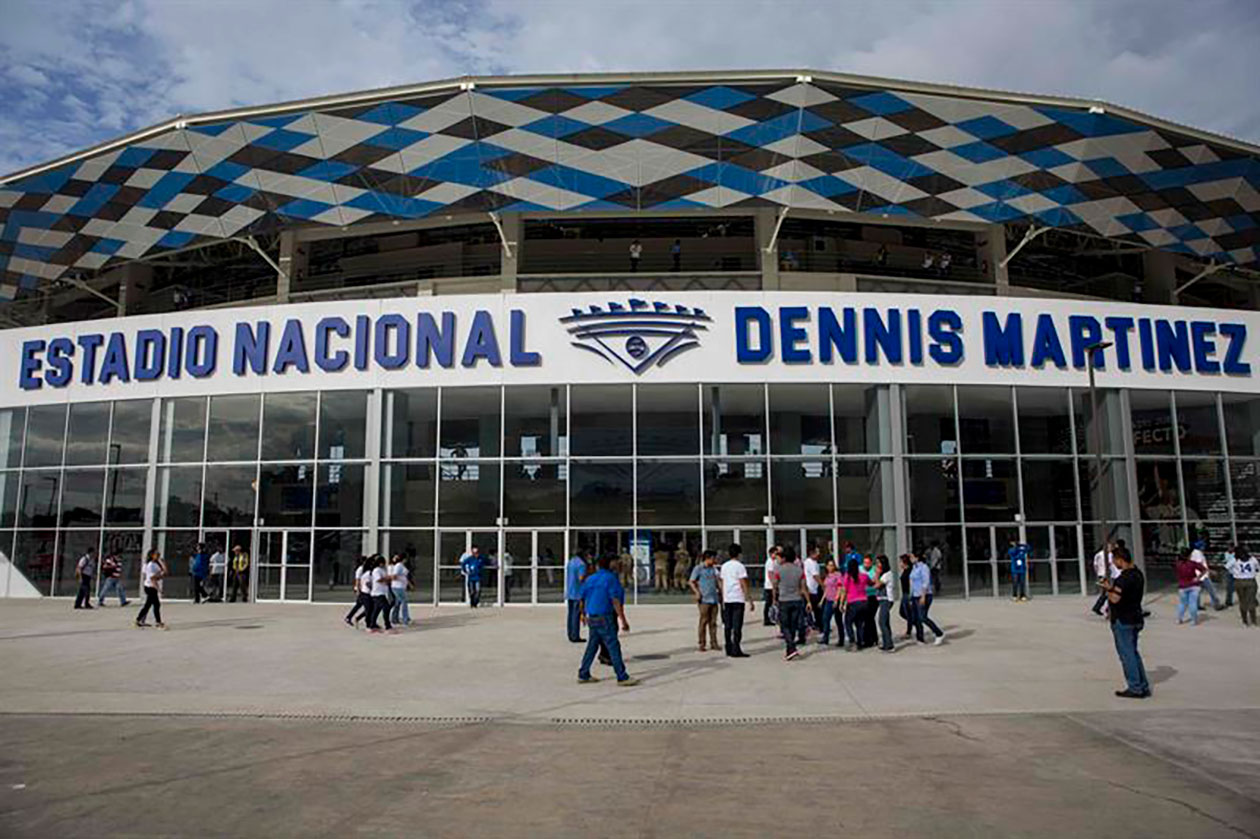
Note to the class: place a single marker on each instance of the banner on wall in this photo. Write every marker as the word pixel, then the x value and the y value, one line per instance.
pixel 608 338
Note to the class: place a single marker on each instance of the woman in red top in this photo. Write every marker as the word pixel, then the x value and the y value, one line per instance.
pixel 854 585
pixel 1189 573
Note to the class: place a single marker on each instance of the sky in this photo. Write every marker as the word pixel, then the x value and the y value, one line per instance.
pixel 77 72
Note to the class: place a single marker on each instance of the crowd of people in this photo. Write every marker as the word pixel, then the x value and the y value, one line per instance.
pixel 381 588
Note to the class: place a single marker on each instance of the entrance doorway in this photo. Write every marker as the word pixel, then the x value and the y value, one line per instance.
pixel 284 566
pixel 532 566
pixel 224 541
pixel 452 546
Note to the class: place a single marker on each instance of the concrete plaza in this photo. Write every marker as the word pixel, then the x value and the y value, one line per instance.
pixel 279 720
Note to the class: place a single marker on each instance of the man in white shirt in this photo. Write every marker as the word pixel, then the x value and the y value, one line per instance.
pixel 1104 569
pixel 813 581
pixel 734 597
pixel 1205 578
pixel 400 581
pixel 1230 557
pixel 636 253
pixel 218 569
pixel 767 598
pixel 85 571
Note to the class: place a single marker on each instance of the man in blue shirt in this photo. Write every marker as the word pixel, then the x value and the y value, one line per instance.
pixel 574 574
pixel 200 569
pixel 471 564
pixel 921 600
pixel 1017 553
pixel 603 605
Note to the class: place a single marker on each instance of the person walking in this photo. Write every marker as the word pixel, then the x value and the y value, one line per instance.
pixel 887 594
pixel 84 572
pixel 704 583
pixel 1230 556
pixel 240 574
pixel 471 565
pixel 574 574
pixel 151 574
pixel 362 595
pixel 767 586
pixel 734 601
pixel 1104 569
pixel 869 635
pixel 380 580
pixel 1243 569
pixel 218 568
pixel 904 563
pixel 399 582
pixel 1017 553
pixel 1125 596
pixel 636 254
pixel 1188 575
pixel 831 605
pixel 603 606
pixel 199 569
pixel 921 600
pixel 790 595
pixel 111 580
pixel 1205 576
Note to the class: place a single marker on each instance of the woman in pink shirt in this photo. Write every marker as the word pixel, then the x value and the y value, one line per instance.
pixel 853 584
pixel 831 605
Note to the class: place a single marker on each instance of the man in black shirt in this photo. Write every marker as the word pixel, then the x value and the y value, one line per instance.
pixel 1125 594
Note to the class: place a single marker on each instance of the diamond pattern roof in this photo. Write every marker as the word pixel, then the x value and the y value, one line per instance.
pixel 635 146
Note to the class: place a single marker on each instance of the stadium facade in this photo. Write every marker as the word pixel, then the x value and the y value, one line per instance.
pixel 638 313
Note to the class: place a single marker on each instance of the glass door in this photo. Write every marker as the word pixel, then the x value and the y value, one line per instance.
pixel 981 578
pixel 453 545
pixel 284 565
pixel 222 542
pixel 533 566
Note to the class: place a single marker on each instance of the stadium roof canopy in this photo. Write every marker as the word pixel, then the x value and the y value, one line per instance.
pixel 794 139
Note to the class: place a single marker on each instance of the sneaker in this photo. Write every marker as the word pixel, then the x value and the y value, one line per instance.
pixel 1132 694
pixel 347 622
pixel 792 655
pixel 739 654
pixel 141 625
pixel 162 626
pixel 627 683
pixel 940 639
pixel 588 680
pixel 376 632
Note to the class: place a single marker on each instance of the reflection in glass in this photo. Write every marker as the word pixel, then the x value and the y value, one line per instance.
pixel 735 492
pixel 288 426
pixel 1158 496
pixel 1049 490
pixel 1245 477
pixel 1242 424
pixel 1113 424
pixel 601 493
pixel 468 492
pixel 416 547
pixel 410 420
pixel 862 423
pixel 129 433
pixel 734 419
pixel 535 422
pixel 534 493
pixel 600 419
pixel 178 496
pixel 182 437
pixel 229 497
pixel 45 432
pixel 284 495
pixel 72 546
pixel 933 484
pixel 41 492
pixel 669 420
pixel 986 420
pixel 407 495
pixel 1205 495
pixel 12 427
pixel 990 491
pixel 1197 423
pixel 801 491
pixel 177 548
pixel 1114 501
pixel 669 492
pixel 800 419
pixel 470 422
pixel 233 428
pixel 10 483
pixel 34 555
pixel 124 496
pixel 88 434
pixel 342 424
pixel 929 414
pixel 336 554
pixel 1045 424
pixel 339 502
pixel 865 489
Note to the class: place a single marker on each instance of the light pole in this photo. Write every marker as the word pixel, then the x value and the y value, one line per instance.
pixel 1090 350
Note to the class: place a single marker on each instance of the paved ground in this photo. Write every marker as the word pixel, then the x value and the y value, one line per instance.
pixel 473 724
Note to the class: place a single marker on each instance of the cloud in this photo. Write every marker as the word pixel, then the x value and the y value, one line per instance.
pixel 98 69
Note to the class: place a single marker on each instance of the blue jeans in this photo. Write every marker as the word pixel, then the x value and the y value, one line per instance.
pixel 1019 584
pixel 1126 636
pixel 885 625
pixel 573 624
pixel 853 621
pixel 602 629
pixel 831 611
pixel 111 585
pixel 791 614
pixel 919 617
pixel 1210 588
pixel 474 593
pixel 400 612
pixel 1188 599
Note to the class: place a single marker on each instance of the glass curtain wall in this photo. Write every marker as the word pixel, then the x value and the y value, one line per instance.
pixel 306 482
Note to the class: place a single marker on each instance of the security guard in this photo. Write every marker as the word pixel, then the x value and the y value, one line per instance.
pixel 240 574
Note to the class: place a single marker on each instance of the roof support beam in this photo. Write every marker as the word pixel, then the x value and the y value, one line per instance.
pixel 1211 269
pixel 1032 233
pixel 498 225
pixel 774 236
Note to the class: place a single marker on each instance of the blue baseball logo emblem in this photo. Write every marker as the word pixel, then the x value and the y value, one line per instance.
pixel 637 334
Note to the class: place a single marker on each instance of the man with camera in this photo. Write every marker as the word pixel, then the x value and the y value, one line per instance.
pixel 1124 593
